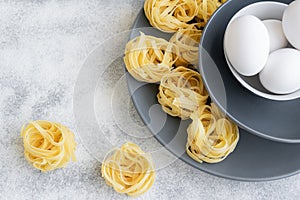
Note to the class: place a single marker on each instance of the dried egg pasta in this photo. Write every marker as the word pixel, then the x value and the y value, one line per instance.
pixel 206 8
pixel 48 145
pixel 148 58
pixel 128 170
pixel 187 40
pixel 181 92
pixel 211 136
pixel 170 15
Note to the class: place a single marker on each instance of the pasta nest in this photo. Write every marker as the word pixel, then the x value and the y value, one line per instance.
pixel 211 136
pixel 181 92
pixel 169 16
pixel 206 8
pixel 128 170
pixel 148 58
pixel 187 40
pixel 48 145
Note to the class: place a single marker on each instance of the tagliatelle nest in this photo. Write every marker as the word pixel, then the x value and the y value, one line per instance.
pixel 171 15
pixel 187 40
pixel 148 58
pixel 211 136
pixel 181 92
pixel 129 170
pixel 206 8
pixel 48 145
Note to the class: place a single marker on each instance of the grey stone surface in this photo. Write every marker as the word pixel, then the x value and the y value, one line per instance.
pixel 43 44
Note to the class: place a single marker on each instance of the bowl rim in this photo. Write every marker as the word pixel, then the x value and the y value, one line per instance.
pixel 212 95
pixel 271 96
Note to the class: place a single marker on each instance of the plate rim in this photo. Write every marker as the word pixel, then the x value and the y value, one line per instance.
pixel 187 158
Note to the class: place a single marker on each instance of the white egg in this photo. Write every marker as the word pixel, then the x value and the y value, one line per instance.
pixel 277 37
pixel 247 44
pixel 291 23
pixel 281 75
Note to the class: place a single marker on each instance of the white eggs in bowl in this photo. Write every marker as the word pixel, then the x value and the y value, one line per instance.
pixel 250 32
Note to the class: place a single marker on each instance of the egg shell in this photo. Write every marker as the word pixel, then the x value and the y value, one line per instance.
pixel 277 37
pixel 247 44
pixel 291 23
pixel 281 75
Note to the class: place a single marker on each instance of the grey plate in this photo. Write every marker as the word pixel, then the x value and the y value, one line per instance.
pixel 275 120
pixel 255 158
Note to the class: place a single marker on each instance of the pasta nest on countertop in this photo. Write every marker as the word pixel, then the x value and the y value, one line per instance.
pixel 128 170
pixel 48 145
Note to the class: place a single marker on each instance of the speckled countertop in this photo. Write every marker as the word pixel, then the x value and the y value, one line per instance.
pixel 43 45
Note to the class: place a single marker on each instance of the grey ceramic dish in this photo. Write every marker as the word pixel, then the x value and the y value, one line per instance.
pixel 255 158
pixel 275 120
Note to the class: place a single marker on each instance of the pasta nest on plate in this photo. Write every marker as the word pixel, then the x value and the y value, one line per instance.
pixel 181 92
pixel 128 170
pixel 187 40
pixel 211 136
pixel 148 58
pixel 48 145
pixel 169 16
pixel 206 8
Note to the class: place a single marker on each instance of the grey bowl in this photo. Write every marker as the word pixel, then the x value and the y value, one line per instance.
pixel 255 158
pixel 275 120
